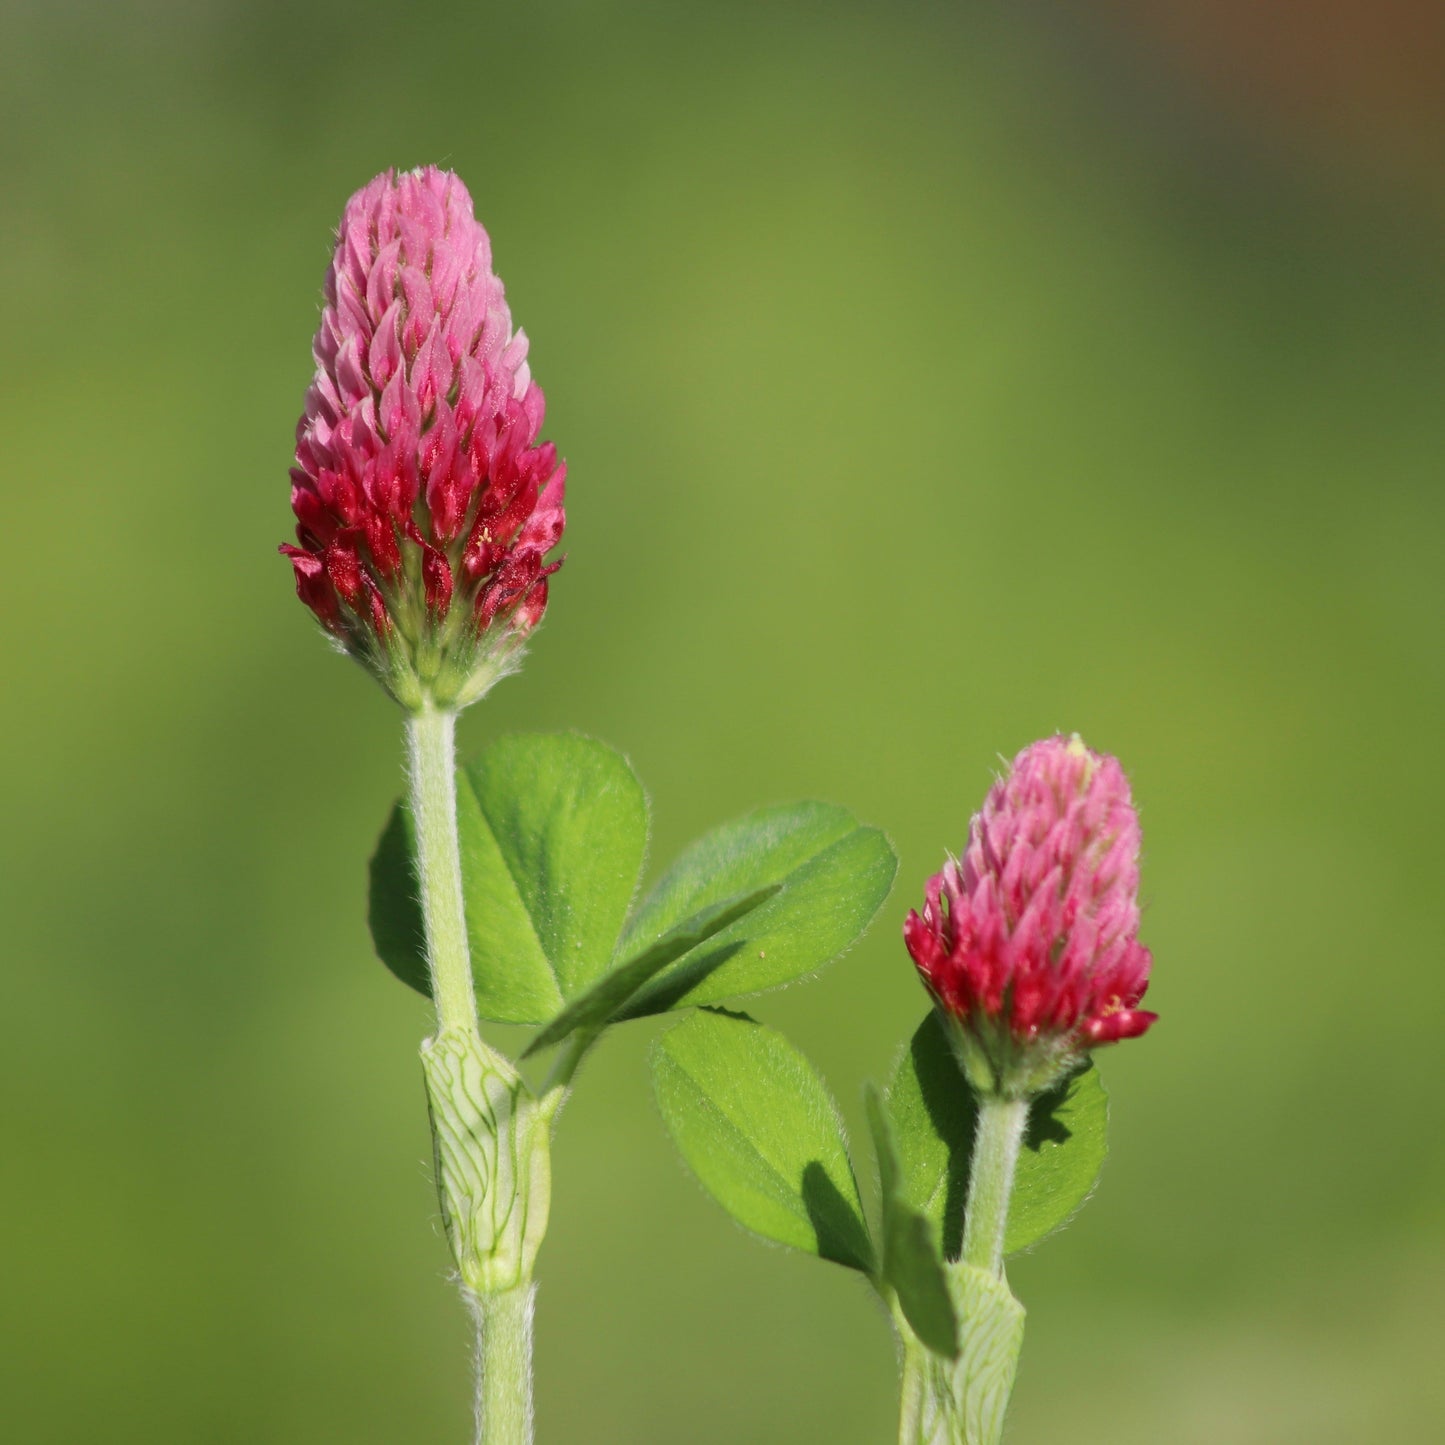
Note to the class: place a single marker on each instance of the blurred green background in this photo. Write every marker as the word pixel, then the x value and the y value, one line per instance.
pixel 932 377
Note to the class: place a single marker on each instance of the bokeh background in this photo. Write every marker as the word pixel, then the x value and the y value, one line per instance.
pixel 933 376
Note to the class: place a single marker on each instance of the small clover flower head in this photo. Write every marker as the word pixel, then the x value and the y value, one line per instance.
pixel 1029 944
pixel 425 505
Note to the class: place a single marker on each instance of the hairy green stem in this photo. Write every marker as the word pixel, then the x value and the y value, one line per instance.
pixel 504 1365
pixel 431 772
pixel 489 1167
pixel 999 1133
pixel 962 1401
pixel 915 1384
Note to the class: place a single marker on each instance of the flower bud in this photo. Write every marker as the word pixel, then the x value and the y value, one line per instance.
pixel 1029 945
pixel 425 505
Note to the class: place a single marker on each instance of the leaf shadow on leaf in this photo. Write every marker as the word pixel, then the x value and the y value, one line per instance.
pixel 841 1235
pixel 1045 1126
pixel 953 1113
pixel 663 993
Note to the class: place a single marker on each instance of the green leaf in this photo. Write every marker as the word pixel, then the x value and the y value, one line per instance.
pixel 552 830
pixel 833 873
pixel 910 1255
pixel 933 1114
pixel 398 932
pixel 757 1126
pixel 595 1008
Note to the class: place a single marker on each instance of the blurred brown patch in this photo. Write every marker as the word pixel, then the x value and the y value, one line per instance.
pixel 1361 79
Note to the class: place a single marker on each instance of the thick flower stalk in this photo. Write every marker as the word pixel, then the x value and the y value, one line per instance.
pixel 1029 944
pixel 425 505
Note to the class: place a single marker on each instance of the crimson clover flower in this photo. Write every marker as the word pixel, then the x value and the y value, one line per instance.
pixel 1029 943
pixel 425 505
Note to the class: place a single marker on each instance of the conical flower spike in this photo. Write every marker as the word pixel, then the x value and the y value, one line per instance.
pixel 425 506
pixel 1029 945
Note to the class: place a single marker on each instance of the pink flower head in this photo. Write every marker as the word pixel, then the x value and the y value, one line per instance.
pixel 1030 945
pixel 425 505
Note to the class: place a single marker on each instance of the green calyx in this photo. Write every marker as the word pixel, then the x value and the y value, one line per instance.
pixel 998 1065
pixel 429 674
